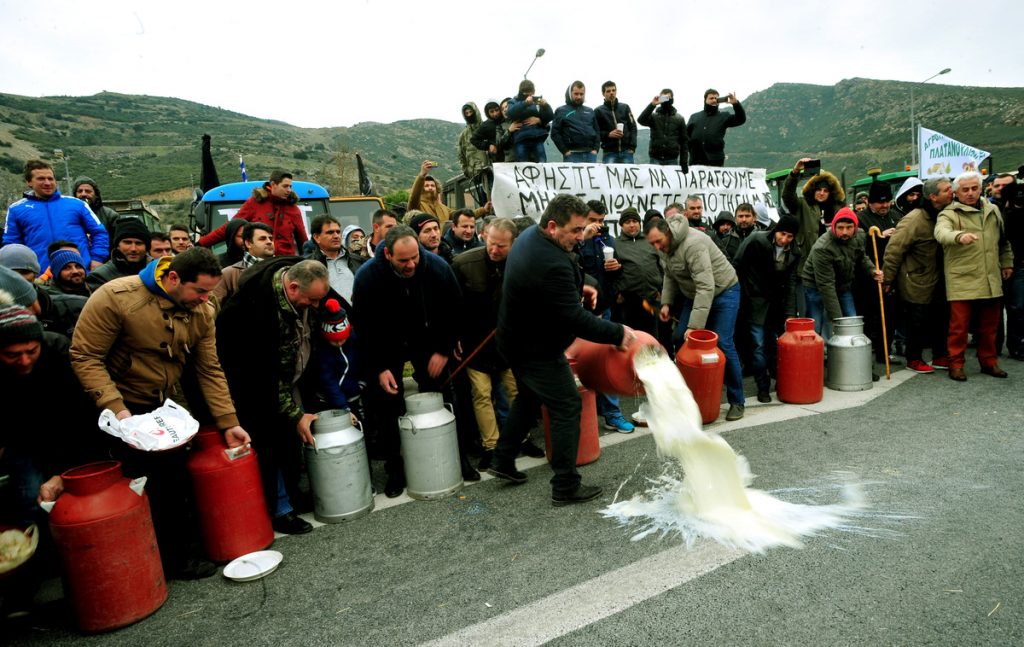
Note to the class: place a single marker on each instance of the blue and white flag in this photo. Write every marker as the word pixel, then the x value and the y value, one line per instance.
pixel 241 165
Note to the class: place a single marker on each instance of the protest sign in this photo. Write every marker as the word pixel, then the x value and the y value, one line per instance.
pixel 525 189
pixel 945 157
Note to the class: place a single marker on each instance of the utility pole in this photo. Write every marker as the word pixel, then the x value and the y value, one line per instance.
pixel 59 154
pixel 913 125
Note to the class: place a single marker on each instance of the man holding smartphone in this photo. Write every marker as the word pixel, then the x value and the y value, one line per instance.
pixel 668 131
pixel 706 130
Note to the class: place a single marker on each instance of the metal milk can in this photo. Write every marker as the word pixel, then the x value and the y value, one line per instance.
pixel 850 359
pixel 430 447
pixel 339 473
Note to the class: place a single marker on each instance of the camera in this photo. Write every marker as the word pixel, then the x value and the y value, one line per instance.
pixel 604 231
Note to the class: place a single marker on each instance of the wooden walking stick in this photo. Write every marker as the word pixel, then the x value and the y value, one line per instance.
pixel 875 231
pixel 468 357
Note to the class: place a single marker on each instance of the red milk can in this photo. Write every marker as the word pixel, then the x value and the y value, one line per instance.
pixel 703 367
pixel 801 368
pixel 590 440
pixel 103 531
pixel 605 369
pixel 229 497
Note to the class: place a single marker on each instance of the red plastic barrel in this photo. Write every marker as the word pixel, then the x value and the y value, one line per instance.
pixel 801 353
pixel 229 496
pixel 605 369
pixel 703 367
pixel 590 440
pixel 103 532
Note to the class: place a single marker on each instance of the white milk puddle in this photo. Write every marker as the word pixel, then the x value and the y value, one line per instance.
pixel 714 499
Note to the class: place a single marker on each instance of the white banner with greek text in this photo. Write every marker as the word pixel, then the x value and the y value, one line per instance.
pixel 524 189
pixel 945 157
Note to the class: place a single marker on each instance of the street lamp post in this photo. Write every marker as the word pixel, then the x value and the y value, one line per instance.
pixel 913 125
pixel 540 52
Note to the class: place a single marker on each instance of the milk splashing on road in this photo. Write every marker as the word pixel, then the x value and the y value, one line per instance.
pixel 714 499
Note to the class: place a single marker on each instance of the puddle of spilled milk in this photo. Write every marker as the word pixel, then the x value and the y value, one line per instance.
pixel 714 498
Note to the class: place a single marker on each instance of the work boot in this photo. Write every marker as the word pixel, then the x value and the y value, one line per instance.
pixel 994 371
pixel 957 374
pixel 581 494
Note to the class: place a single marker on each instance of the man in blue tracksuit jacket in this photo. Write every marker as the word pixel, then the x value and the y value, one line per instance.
pixel 574 129
pixel 44 216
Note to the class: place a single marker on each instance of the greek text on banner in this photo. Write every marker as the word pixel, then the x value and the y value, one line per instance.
pixel 526 189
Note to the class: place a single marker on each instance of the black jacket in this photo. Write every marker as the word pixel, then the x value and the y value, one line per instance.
pixel 768 286
pixel 458 245
pixel 641 272
pixel 115 268
pixel 399 318
pixel 706 132
pixel 541 313
pixel 608 116
pixel 668 132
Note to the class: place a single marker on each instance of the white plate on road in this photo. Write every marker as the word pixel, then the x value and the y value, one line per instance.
pixel 253 566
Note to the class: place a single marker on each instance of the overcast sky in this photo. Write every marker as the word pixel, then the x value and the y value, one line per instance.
pixel 341 62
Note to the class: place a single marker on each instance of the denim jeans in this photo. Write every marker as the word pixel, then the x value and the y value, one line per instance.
pixel 531 151
pixel 625 157
pixel 669 162
pixel 721 321
pixel 763 353
pixel 579 157
pixel 816 309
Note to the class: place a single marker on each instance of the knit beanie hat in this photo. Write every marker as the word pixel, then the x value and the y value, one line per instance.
pixel 879 192
pixel 18 325
pixel 335 322
pixel 19 257
pixel 420 220
pixel 788 224
pixel 650 215
pixel 629 213
pixel 21 291
pixel 130 228
pixel 60 258
pixel 845 213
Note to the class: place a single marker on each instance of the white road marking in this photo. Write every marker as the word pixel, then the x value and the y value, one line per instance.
pixel 588 602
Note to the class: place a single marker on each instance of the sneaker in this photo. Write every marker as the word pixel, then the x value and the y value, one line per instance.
pixel 941 364
pixel 764 396
pixel 528 448
pixel 918 366
pixel 735 412
pixel 618 423
pixel 507 473
pixel 581 494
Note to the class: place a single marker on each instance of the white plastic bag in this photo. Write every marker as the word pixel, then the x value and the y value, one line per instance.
pixel 165 427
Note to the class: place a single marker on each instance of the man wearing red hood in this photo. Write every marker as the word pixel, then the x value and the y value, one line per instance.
pixel 829 271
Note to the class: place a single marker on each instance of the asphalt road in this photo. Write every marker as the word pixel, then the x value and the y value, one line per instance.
pixel 935 559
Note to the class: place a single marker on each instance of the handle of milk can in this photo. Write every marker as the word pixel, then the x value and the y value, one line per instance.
pixel 137 485
pixel 47 506
pixel 234 453
pixel 448 405
pixel 405 423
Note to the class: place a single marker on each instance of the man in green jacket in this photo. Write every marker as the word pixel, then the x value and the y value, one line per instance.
pixel 977 261
pixel 913 262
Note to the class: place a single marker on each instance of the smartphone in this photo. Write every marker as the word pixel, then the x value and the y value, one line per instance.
pixel 812 165
pixel 664 98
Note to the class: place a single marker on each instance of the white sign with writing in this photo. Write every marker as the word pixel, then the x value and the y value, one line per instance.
pixel 945 157
pixel 524 189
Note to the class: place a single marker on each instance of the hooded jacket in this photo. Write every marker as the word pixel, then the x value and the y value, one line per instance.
pixel 115 268
pixel 911 183
pixel 574 128
pixel 913 258
pixel 493 132
pixel 706 133
pixel 729 243
pixel 973 271
pixel 457 245
pixel 36 222
pixel 232 254
pixel 106 215
pixel 809 212
pixel 832 264
pixel 472 160
pixel 608 116
pixel 668 132
pixel 283 216
pixel 132 343
pixel 641 272
pixel 696 269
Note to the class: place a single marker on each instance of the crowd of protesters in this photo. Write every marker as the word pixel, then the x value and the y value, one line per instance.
pixel 259 339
